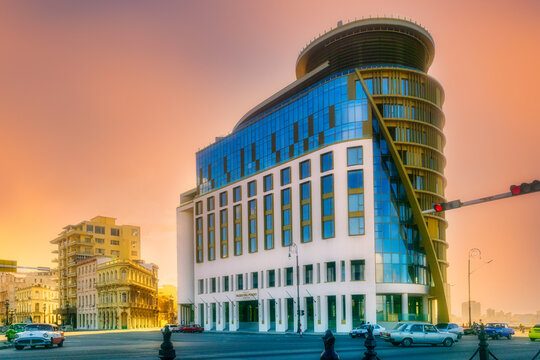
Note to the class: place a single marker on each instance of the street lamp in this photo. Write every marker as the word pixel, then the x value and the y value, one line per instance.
pixel 294 248
pixel 474 252
pixel 67 313
pixel 7 311
pixel 44 312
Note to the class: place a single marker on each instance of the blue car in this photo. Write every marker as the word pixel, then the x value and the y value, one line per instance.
pixel 498 330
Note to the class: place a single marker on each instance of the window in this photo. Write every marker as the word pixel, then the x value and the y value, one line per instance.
pixel 354 156
pixel 255 280
pixel 288 276
pixel 240 282
pixel 286 217
pixel 198 208
pixel 211 237
pixel 305 211
pixel 327 200
pixel 305 169
pixel 269 221
pixel 252 222
pixel 268 181
pixel 356 202
pixel 308 274
pixel 213 285
pixel 327 161
pixel 252 188
pixel 237 230
pixel 285 176
pixel 100 251
pixel 223 199
pixel 100 241
pixel 210 203
pixel 201 286
pixel 90 228
pixel 224 233
pixel 342 263
pixel 199 240
pixel 237 194
pixel 357 270
pixel 225 283
pixel 271 278
pixel 331 271
pixel 115 253
pixel 100 229
pixel 115 242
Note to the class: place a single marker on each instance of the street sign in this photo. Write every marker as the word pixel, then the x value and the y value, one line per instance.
pixel 8 266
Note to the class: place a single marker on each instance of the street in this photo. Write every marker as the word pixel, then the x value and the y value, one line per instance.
pixel 145 345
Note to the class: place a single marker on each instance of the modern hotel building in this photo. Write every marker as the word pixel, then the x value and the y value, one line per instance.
pixel 336 167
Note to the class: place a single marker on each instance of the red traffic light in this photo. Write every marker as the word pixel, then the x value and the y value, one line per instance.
pixel 516 190
pixel 438 207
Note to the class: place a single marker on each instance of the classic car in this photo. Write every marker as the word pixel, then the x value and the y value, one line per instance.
pixel 498 330
pixel 362 330
pixel 451 328
pixel 191 328
pixel 418 333
pixel 14 329
pixel 172 328
pixel 534 332
pixel 39 334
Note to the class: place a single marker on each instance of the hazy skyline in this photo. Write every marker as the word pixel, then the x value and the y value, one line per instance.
pixel 104 104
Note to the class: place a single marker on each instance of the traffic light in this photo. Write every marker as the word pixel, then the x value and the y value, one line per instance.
pixel 447 206
pixel 525 188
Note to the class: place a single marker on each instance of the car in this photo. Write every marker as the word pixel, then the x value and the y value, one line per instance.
pixel 451 328
pixel 498 330
pixel 192 328
pixel 39 334
pixel 172 328
pixel 14 329
pixel 418 333
pixel 362 330
pixel 534 332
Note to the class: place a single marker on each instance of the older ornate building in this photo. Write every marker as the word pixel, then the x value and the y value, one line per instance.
pixel 127 292
pixel 36 302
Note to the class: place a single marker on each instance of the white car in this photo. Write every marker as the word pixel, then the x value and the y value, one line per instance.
pixel 172 328
pixel 361 331
pixel 39 334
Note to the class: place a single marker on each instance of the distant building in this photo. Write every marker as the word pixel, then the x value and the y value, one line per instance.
pixel 476 313
pixel 98 236
pixel 167 305
pixel 8 287
pixel 127 295
pixel 36 303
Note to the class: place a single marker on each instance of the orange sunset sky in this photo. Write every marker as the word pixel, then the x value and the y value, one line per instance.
pixel 104 104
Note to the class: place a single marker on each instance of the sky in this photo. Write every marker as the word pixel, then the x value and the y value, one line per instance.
pixel 104 104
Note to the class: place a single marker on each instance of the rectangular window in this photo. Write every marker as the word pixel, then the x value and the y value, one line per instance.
pixel 100 251
pixel 255 280
pixel 269 221
pixel 308 274
pixel 288 276
pixel 327 162
pixel 305 211
pixel 343 309
pixel 210 203
pixel 331 271
pixel 100 241
pixel 268 182
pixel 285 176
pixel 237 230
pixel 213 285
pixel 305 169
pixel 225 283
pixel 224 233
pixel 223 199
pixel 357 270
pixel 115 242
pixel 252 225
pixel 100 229
pixel 90 228
pixel 198 208
pixel 115 232
pixel 286 217
pixel 354 156
pixel 342 263
pixel 327 200
pixel 211 237
pixel 237 194
pixel 199 239
pixel 355 184
pixel 201 286
pixel 115 253
pixel 240 282
pixel 271 278
pixel 252 188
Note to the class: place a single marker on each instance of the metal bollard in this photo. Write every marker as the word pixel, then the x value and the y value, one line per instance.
pixel 167 350
pixel 329 353
pixel 370 354
pixel 483 350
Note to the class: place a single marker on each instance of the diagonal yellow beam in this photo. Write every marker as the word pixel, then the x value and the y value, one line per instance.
pixel 438 290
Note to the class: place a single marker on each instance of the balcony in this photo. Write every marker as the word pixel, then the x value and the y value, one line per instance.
pixel 55 260
pixel 55 251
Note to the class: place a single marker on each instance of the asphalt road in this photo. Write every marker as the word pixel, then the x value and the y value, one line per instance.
pixel 145 345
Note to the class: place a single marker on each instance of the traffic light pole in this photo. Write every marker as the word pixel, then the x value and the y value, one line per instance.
pixel 474 202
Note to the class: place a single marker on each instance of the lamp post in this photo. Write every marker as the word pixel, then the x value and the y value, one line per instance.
pixel 294 248
pixel 474 252
pixel 44 312
pixel 68 316
pixel 7 311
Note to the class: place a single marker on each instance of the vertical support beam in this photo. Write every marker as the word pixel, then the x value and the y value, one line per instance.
pixel 427 242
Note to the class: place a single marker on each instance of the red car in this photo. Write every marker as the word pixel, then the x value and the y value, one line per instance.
pixel 193 328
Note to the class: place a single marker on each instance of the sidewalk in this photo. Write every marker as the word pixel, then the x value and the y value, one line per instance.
pixel 91 332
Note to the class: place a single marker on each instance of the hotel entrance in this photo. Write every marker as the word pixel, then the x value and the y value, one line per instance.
pixel 310 315
pixel 248 313
pixel 272 313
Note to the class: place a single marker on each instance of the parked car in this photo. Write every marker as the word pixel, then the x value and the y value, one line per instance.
pixel 362 330
pixel 39 335
pixel 498 330
pixel 14 329
pixel 451 328
pixel 172 328
pixel 193 328
pixel 534 332
pixel 418 333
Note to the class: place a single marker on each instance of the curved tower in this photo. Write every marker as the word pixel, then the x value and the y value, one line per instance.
pixel 341 164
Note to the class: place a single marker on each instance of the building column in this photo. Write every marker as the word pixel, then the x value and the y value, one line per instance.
pixel 425 308
pixel 405 307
